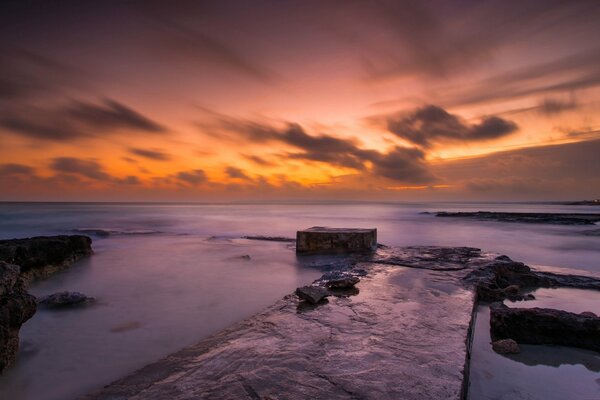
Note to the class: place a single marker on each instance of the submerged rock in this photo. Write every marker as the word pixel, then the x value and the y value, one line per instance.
pixel 545 326
pixel 16 307
pixel 65 299
pixel 39 257
pixel 312 294
pixel 506 346
pixel 270 238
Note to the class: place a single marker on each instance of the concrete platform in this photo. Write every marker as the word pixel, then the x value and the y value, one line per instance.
pixel 323 240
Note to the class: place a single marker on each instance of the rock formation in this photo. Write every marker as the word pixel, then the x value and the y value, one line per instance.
pixel 528 218
pixel 65 299
pixel 321 240
pixel 545 326
pixel 16 307
pixel 22 260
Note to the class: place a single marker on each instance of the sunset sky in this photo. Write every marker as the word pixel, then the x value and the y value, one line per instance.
pixel 284 100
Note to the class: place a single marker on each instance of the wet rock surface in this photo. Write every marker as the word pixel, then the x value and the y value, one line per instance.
pixel 401 337
pixel 41 256
pixel 312 294
pixel 545 326
pixel 504 278
pixel 65 300
pixel 16 307
pixel 506 346
pixel 323 240
pixel 530 218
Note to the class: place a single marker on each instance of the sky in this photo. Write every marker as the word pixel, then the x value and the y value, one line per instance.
pixel 299 100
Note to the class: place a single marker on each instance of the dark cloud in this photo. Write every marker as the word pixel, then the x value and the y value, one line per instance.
pixel 236 173
pixel 556 106
pixel 400 164
pixel 130 180
pixel 89 168
pixel 111 115
pixel 154 154
pixel 193 177
pixel 430 124
pixel 403 164
pixel 15 169
pixel 77 120
pixel 258 160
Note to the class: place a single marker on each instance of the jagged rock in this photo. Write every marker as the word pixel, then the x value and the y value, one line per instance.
pixel 39 257
pixel 544 326
pixel 16 307
pixel 342 283
pixel 503 278
pixel 312 294
pixel 65 299
pixel 506 346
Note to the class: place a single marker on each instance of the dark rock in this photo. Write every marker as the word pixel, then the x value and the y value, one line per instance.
pixel 39 257
pixel 503 258
pixel 312 294
pixel 65 299
pixel 497 279
pixel 595 202
pixel 544 326
pixel 428 257
pixel 506 346
pixel 16 307
pixel 244 257
pixel 270 238
pixel 343 283
pixel 588 314
pixel 529 218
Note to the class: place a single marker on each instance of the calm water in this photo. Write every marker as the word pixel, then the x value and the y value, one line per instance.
pixel 170 274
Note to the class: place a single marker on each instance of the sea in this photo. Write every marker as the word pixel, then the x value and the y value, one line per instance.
pixel 166 275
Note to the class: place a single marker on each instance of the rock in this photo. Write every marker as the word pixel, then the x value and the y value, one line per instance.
pixel 65 299
pixel 16 307
pixel 529 218
pixel 39 257
pixel 588 314
pixel 320 240
pixel 343 283
pixel 506 346
pixel 270 238
pixel 312 294
pixel 499 279
pixel 544 326
pixel 244 257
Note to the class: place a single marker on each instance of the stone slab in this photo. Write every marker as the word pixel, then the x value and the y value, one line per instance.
pixel 403 336
pixel 323 240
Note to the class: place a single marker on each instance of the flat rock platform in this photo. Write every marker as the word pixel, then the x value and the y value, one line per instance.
pixel 405 335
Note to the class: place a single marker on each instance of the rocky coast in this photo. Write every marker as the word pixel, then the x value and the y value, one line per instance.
pixel 21 261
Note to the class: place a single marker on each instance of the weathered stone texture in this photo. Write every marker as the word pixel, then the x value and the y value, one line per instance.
pixel 320 240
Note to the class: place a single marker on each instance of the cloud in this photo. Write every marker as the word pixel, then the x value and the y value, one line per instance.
pixel 556 106
pixel 77 120
pixel 432 124
pixel 111 115
pixel 15 169
pixel 403 164
pixel 400 163
pixel 236 173
pixel 154 154
pixel 258 160
pixel 193 177
pixel 89 168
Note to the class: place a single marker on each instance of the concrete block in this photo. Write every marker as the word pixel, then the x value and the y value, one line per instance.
pixel 320 239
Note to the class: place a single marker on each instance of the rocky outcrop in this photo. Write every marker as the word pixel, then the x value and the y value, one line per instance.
pixel 312 294
pixel 16 307
pixel 65 300
pixel 545 326
pixel 528 218
pixel 40 257
pixel 270 238
pixel 22 260
pixel 323 240
pixel 504 278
